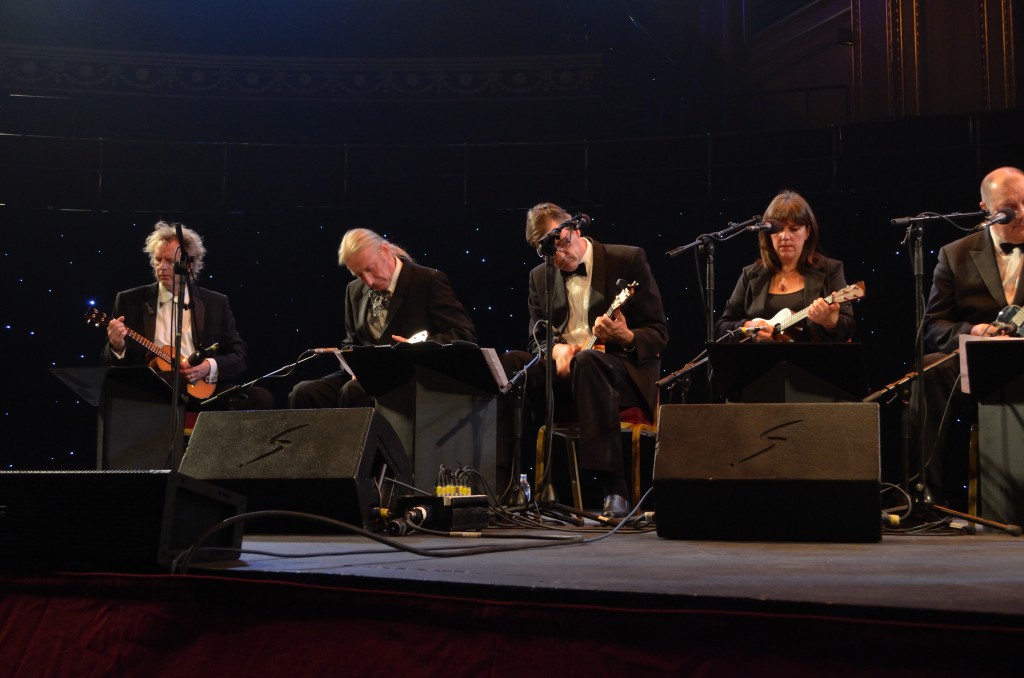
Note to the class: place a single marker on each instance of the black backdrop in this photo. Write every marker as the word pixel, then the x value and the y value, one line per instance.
pixel 75 214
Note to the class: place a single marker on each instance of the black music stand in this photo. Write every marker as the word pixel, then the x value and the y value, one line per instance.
pixel 441 401
pixel 789 372
pixel 131 414
pixel 996 374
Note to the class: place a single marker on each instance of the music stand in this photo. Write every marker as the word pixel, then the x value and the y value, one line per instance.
pixel 996 375
pixel 789 372
pixel 441 401
pixel 87 382
pixel 131 414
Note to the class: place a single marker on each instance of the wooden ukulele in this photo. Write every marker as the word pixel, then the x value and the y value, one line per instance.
pixel 163 355
pixel 786 318
pixel 620 299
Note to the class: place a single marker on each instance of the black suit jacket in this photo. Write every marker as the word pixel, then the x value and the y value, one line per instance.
pixel 966 291
pixel 423 300
pixel 212 322
pixel 644 312
pixel 749 300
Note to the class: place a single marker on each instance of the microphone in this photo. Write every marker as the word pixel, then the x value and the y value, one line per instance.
pixel 770 226
pixel 733 228
pixel 184 260
pixel 576 222
pixel 200 355
pixel 545 246
pixel 1001 217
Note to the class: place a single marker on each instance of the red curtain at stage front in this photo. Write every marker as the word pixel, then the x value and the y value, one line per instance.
pixel 139 625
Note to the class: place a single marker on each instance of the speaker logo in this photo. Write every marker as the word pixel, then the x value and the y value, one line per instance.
pixel 767 435
pixel 280 442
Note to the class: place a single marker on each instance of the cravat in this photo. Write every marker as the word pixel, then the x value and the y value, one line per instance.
pixel 1009 247
pixel 580 270
pixel 379 302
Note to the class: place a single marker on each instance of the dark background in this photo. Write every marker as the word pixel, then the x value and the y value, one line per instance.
pixel 271 128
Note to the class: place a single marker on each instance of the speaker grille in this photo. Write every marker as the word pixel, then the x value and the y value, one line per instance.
pixel 336 463
pixel 771 471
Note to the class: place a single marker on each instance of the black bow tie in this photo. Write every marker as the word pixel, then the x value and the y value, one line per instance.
pixel 580 270
pixel 1009 247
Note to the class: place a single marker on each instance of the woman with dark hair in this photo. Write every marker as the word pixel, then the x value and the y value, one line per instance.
pixel 790 276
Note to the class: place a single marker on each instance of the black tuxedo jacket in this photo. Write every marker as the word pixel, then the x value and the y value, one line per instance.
pixel 749 300
pixel 966 291
pixel 644 312
pixel 212 322
pixel 423 300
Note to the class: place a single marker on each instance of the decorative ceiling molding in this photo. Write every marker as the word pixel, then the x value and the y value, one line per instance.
pixel 40 69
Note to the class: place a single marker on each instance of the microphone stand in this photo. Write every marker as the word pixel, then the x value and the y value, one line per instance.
pixel 515 387
pixel 546 490
pixel 915 236
pixel 914 240
pixel 182 271
pixel 929 217
pixel 682 375
pixel 706 246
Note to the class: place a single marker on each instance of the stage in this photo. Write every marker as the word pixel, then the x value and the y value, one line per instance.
pixel 627 604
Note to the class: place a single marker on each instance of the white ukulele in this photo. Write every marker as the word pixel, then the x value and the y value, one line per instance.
pixel 786 318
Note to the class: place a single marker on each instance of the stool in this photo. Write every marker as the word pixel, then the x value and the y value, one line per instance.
pixel 632 419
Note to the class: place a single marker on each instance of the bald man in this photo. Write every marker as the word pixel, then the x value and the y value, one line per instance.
pixel 975 278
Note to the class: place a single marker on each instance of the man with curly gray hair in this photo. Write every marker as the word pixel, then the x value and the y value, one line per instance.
pixel 209 338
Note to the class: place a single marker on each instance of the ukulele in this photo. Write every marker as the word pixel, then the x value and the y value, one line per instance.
pixel 620 299
pixel 786 318
pixel 163 355
pixel 1009 321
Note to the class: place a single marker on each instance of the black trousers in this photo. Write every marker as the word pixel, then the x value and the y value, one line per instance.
pixel 944 430
pixel 335 390
pixel 597 389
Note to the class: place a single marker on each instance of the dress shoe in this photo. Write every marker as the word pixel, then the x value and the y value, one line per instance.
pixel 615 506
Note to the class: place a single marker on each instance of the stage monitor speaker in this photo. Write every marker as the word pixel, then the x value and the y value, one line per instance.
pixel 335 463
pixel 119 521
pixel 769 472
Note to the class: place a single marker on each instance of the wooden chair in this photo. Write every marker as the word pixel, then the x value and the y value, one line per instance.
pixel 632 420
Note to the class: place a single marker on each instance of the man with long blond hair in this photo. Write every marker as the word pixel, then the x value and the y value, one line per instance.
pixel 391 299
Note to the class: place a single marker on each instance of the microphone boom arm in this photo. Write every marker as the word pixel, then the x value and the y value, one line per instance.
pixel 281 371
pixel 730 231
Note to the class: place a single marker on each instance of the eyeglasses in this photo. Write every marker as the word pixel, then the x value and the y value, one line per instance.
pixel 562 244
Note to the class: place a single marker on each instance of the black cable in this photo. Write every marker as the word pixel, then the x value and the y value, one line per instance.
pixel 395 481
pixel 181 562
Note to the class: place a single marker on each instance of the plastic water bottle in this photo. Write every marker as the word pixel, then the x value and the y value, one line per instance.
pixel 524 485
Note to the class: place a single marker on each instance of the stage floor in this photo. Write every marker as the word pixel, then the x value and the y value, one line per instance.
pixel 629 604
pixel 940 578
